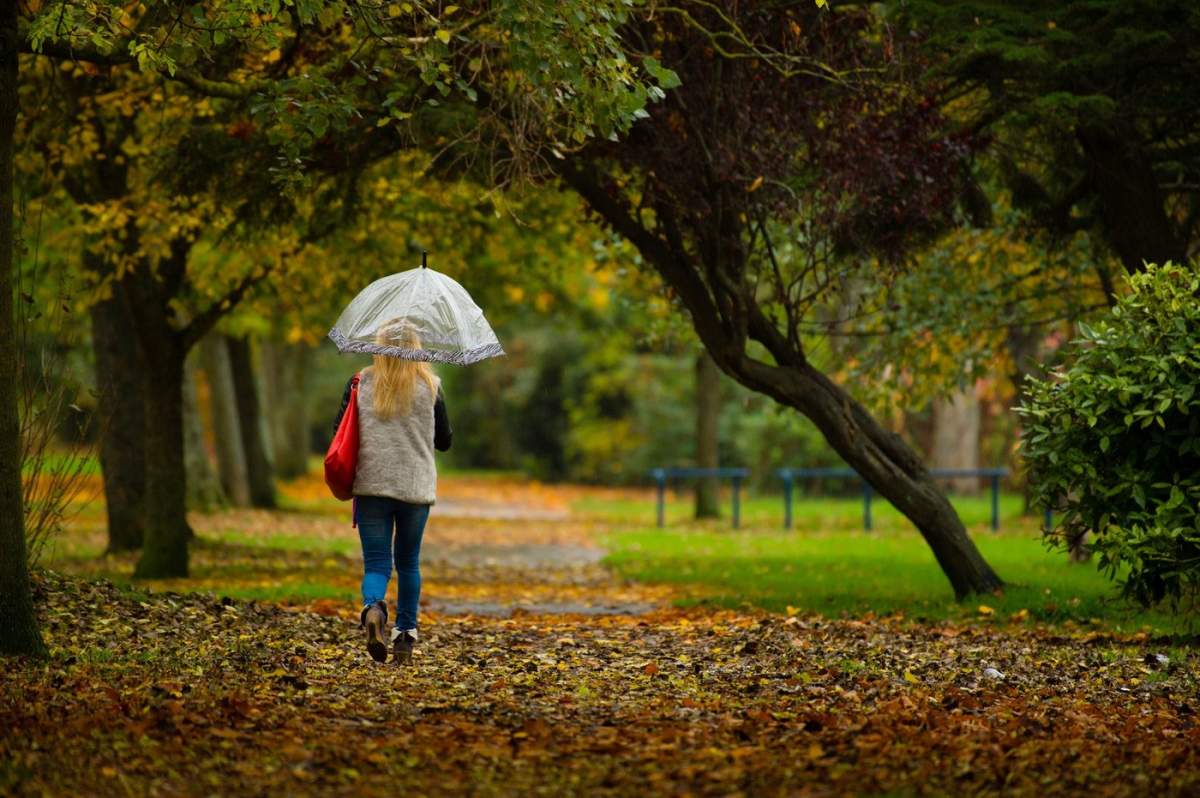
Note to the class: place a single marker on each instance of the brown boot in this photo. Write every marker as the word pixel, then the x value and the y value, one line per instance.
pixel 374 619
pixel 402 645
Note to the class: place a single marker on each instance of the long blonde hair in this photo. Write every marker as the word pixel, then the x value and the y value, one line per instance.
pixel 395 378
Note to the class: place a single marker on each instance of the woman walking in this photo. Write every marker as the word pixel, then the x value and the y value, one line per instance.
pixel 401 421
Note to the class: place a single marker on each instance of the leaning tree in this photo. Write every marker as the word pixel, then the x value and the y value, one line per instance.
pixel 794 161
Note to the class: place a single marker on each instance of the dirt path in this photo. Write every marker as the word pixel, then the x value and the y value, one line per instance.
pixel 522 555
pixel 539 673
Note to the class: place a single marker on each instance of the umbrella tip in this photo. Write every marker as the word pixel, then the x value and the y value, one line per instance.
pixel 422 259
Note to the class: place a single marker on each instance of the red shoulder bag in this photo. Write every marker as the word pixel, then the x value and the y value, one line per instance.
pixel 341 461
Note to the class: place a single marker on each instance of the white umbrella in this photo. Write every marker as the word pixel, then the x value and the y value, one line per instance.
pixel 419 314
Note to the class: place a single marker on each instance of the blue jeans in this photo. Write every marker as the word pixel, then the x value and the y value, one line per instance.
pixel 378 517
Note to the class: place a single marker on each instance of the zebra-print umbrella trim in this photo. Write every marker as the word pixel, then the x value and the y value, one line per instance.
pixel 457 358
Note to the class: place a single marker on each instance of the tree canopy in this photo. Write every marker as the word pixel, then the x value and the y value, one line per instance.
pixel 1093 108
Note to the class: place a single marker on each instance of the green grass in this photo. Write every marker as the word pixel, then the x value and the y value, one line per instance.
pixel 839 573
pixel 54 462
pixel 347 546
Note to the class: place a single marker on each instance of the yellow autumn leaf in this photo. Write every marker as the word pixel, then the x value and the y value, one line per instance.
pixel 911 678
pixel 443 36
pixel 986 610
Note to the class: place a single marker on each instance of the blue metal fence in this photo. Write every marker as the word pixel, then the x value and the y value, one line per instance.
pixel 791 475
pixel 735 475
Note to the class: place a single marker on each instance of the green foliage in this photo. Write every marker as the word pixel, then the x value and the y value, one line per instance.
pixel 309 70
pixel 951 319
pixel 1047 50
pixel 1115 438
pixel 1080 153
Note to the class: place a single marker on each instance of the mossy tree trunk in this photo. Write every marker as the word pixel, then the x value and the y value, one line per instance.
pixel 259 471
pixel 285 372
pixel 204 488
pixel 227 432
pixel 119 367
pixel 19 633
pixel 165 546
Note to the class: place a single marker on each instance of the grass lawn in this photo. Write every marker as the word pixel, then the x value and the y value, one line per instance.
pixel 56 461
pixel 829 565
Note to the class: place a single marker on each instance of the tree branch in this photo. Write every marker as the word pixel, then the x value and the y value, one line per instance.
pixel 193 80
pixel 678 273
pixel 203 322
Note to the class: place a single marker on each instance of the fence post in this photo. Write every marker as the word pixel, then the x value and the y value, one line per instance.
pixel 737 506
pixel 661 480
pixel 787 498
pixel 995 502
pixel 866 491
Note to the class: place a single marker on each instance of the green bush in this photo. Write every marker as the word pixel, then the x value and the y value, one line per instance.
pixel 1113 440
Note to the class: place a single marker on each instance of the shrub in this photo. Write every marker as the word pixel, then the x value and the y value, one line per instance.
pixel 1113 440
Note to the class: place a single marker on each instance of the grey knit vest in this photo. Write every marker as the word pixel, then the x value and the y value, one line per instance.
pixel 395 455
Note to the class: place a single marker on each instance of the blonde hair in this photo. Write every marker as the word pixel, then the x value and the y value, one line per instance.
pixel 395 378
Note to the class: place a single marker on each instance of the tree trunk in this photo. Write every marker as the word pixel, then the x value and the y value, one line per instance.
pixel 708 409
pixel 1022 345
pixel 227 433
pixel 956 437
pixel 164 551
pixel 204 489
pixel 884 460
pixel 1132 206
pixel 285 369
pixel 258 467
pixel 19 633
pixel 119 368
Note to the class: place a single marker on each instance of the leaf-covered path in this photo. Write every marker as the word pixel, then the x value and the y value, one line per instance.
pixel 539 674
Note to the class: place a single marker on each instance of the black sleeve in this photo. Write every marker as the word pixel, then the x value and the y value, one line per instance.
pixel 441 424
pixel 345 401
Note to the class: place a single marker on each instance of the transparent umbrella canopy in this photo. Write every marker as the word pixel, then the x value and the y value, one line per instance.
pixel 419 314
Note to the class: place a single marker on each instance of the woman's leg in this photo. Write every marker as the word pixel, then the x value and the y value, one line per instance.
pixel 410 527
pixel 375 520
